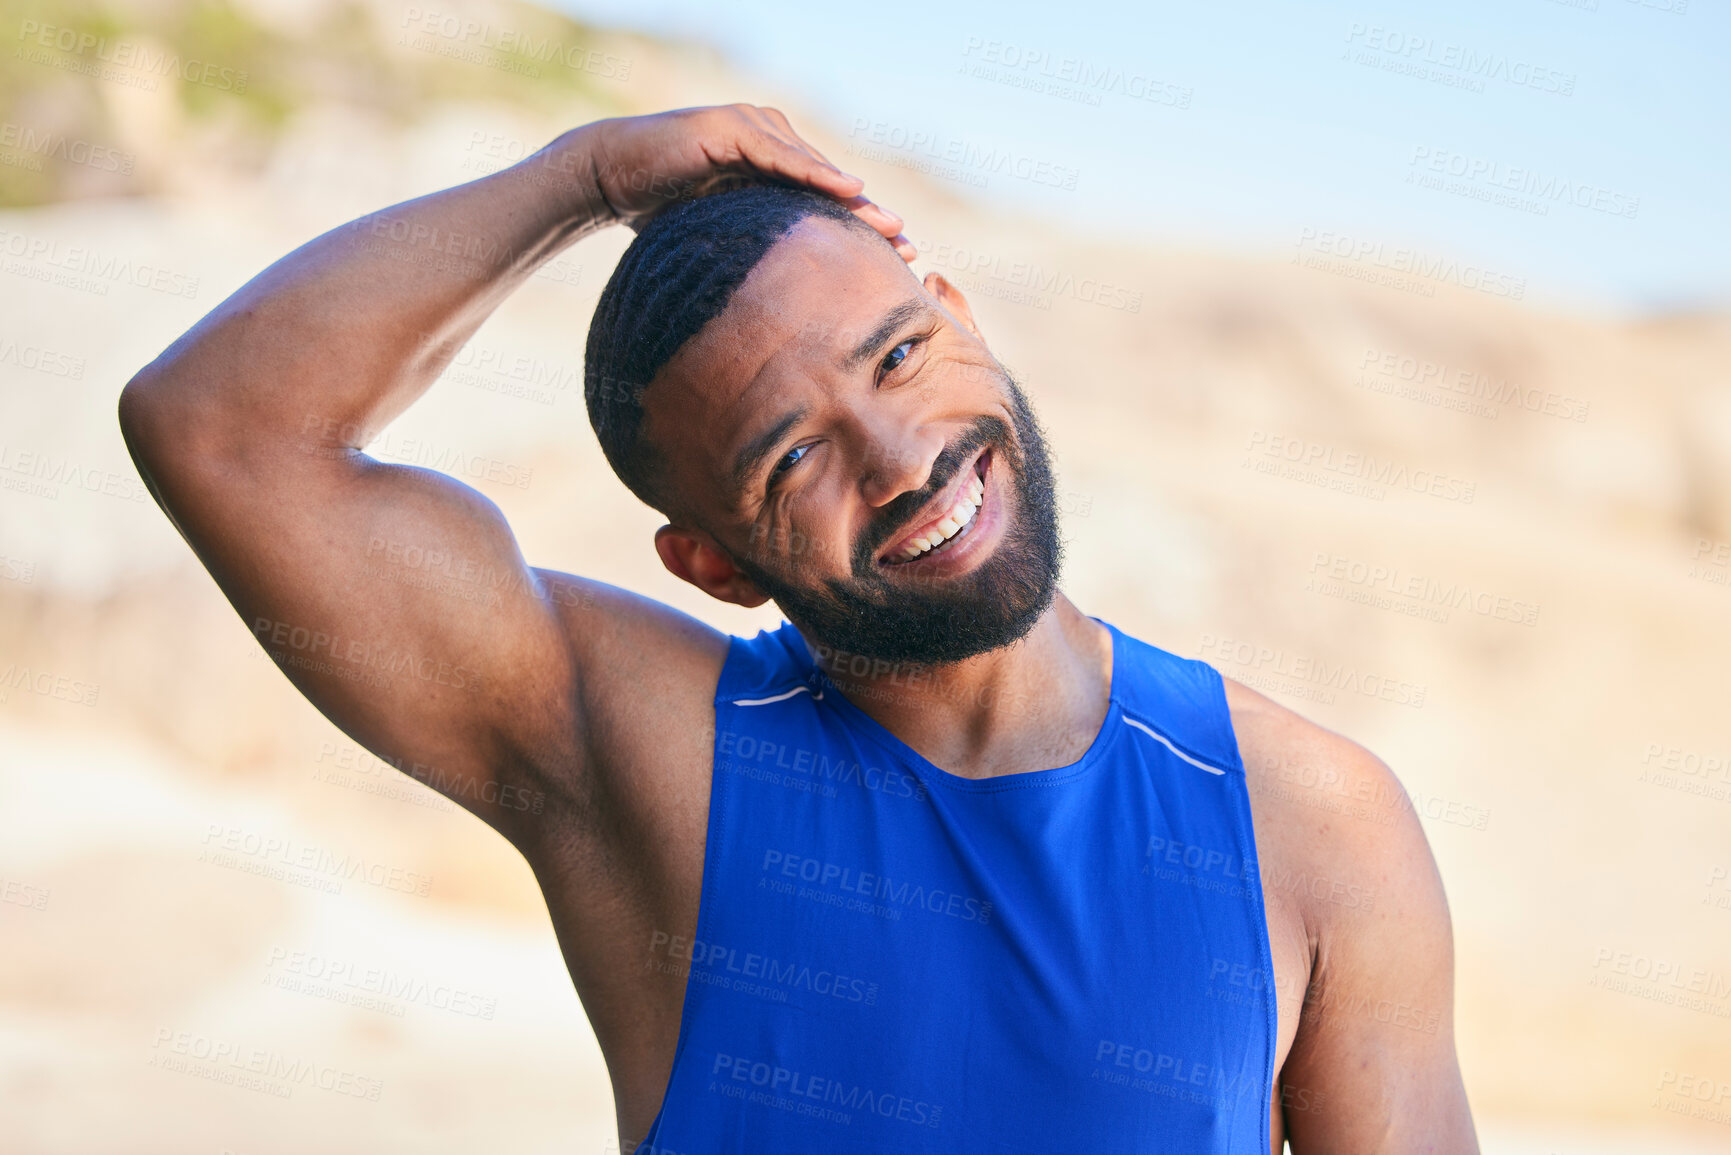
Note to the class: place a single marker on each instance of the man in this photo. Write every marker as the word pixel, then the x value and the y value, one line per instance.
pixel 949 867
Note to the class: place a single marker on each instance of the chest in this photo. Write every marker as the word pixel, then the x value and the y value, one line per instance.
pixel 1012 960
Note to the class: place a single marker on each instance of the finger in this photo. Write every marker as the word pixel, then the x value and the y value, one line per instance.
pixel 875 215
pixel 775 116
pixel 772 124
pixel 776 134
pixel 785 162
pixel 784 129
pixel 774 127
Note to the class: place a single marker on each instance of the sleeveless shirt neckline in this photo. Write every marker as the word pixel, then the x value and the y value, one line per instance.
pixel 934 774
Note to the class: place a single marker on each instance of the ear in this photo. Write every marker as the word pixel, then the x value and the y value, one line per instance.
pixel 951 298
pixel 692 557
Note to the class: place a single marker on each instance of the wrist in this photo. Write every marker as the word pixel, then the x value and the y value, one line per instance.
pixel 566 169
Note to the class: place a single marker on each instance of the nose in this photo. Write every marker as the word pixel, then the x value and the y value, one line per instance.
pixel 899 459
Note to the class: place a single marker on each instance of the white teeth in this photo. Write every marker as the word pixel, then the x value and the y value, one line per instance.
pixel 952 523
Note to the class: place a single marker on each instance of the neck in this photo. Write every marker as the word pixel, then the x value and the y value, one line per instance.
pixel 1033 705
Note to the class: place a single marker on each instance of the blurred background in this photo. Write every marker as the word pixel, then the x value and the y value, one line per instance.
pixel 1385 351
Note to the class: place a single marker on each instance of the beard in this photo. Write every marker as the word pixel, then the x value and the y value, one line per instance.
pixel 908 619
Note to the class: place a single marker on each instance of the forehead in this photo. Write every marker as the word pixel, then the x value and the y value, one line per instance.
pixel 815 295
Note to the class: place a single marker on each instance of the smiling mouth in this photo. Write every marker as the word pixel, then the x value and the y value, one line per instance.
pixel 951 525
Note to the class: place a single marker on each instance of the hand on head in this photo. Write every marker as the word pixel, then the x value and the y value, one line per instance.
pixel 644 164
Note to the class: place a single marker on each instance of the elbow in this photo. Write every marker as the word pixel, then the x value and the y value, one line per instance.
pixel 142 412
pixel 174 401
pixel 167 431
pixel 137 401
pixel 166 416
pixel 139 411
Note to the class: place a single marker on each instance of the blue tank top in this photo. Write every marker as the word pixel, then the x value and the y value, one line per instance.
pixel 892 958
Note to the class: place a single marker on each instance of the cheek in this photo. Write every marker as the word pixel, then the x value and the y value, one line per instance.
pixel 805 536
pixel 796 549
pixel 977 382
pixel 814 542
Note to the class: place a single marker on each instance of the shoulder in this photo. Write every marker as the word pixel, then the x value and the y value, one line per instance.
pixel 1335 828
pixel 617 634
pixel 641 678
pixel 1282 748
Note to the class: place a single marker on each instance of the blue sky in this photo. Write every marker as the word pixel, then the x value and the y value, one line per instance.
pixel 1582 146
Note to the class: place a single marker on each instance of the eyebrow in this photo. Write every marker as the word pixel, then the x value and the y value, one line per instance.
pixel 892 322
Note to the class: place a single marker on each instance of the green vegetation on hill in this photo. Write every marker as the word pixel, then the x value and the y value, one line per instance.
pixel 69 68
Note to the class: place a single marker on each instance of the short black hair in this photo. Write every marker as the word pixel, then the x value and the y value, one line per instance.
pixel 680 272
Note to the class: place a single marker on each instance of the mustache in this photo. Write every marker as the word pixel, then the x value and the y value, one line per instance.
pixel 899 514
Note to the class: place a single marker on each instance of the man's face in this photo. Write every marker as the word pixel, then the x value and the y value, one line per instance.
pixel 846 440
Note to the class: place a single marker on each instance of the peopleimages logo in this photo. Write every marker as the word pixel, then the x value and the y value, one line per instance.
pixel 876 887
pixel 1545 188
pixel 753 972
pixel 802 1092
pixel 1468 385
pixel 1039 283
pixel 1066 77
pixel 87 270
pixel 24 140
pixel 42 474
pixel 739 752
pixel 1296 673
pixel 425 28
pixel 40 359
pixel 1320 244
pixel 1347 470
pixel 47 684
pixel 140 55
pixel 304 863
pixel 369 987
pixel 1143 1068
pixel 1456 65
pixel 255 1068
pixel 1339 576
pixel 1662 980
pixel 871 138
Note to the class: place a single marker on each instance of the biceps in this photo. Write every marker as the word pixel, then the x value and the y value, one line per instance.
pixel 1379 1094
pixel 1373 1069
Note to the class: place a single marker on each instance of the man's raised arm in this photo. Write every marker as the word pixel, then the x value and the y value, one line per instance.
pixel 248 431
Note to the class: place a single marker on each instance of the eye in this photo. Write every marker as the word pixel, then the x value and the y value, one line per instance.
pixel 895 357
pixel 790 459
